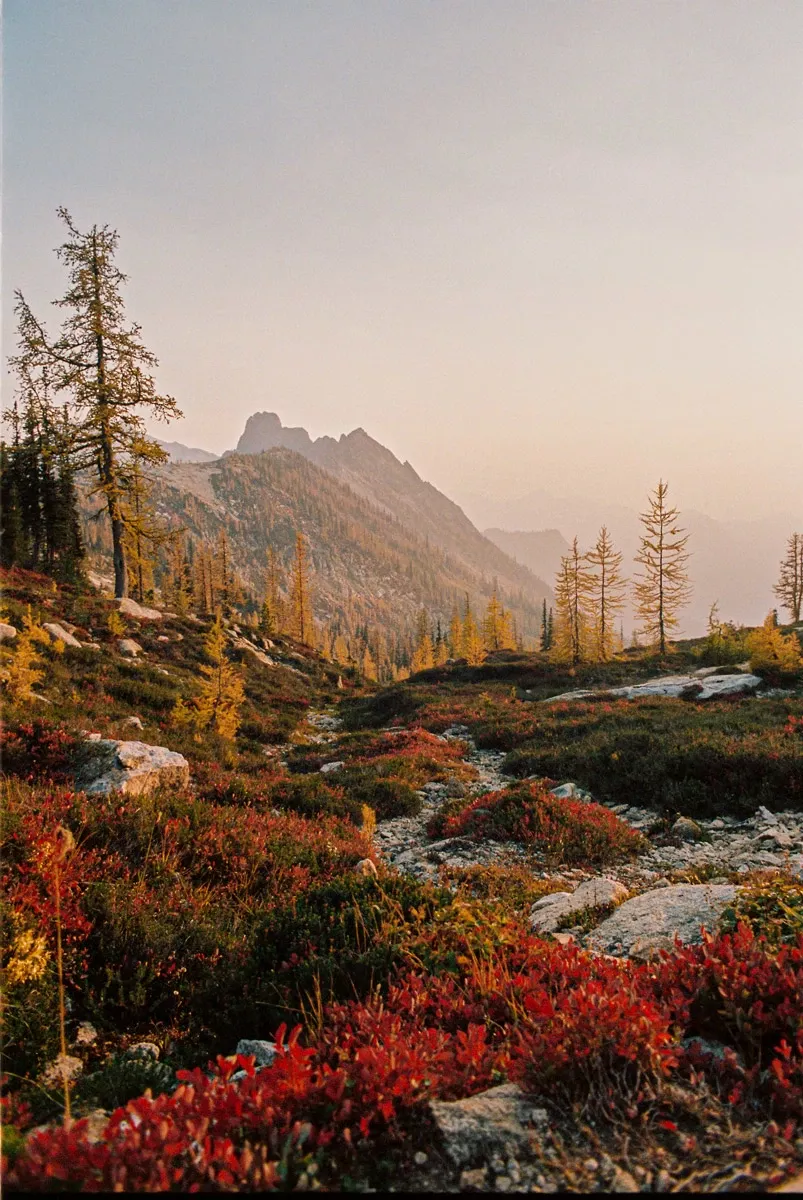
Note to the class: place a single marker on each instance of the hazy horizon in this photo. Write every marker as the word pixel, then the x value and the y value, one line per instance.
pixel 525 246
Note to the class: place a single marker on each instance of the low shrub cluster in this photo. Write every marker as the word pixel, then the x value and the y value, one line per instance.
pixel 772 905
pixel 564 830
pixel 573 1027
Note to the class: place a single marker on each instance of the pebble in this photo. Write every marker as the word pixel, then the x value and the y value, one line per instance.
pixel 419 1158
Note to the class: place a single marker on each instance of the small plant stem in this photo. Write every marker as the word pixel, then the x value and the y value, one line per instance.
pixel 62 1030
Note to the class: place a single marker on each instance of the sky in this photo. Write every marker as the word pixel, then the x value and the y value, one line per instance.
pixel 526 244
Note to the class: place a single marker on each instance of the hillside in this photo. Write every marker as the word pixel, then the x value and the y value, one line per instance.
pixel 368 566
pixel 373 472
pixel 540 550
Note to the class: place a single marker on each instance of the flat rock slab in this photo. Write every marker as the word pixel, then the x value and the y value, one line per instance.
pixel 130 608
pixel 706 688
pixel 59 634
pixel 498 1120
pixel 7 632
pixel 652 919
pixel 134 768
pixel 550 911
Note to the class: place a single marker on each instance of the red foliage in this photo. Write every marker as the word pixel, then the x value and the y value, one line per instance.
pixel 38 750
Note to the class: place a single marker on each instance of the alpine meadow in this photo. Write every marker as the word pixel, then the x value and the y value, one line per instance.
pixel 363 834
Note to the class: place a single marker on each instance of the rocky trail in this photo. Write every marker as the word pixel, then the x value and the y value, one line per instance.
pixel 685 878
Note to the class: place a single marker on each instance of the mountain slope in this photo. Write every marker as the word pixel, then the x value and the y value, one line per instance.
pixel 540 550
pixel 368 567
pixel 180 453
pixel 372 471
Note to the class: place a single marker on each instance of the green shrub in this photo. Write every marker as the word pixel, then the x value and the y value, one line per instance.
pixel 772 906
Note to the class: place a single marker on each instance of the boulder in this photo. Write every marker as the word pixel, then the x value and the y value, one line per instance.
pixel 132 723
pixel 366 867
pixel 143 1051
pixel 7 632
pixel 263 1052
pixel 329 767
pixel 130 608
pixel 570 791
pixel 59 634
pixel 129 647
pixel 133 768
pixel 655 917
pixel 550 911
pixel 687 830
pixel 491 1122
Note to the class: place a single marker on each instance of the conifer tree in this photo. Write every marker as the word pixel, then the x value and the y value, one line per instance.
pixel 544 638
pixel 26 668
pixel 423 652
pixel 496 630
pixel 571 598
pixel 789 588
pixel 142 531
pixel 177 590
pixel 301 618
pixel 455 634
pixel 271 612
pixel 368 665
pixel 663 588
pixel 101 363
pixel 218 704
pixel 471 647
pixel 550 629
pixel 606 595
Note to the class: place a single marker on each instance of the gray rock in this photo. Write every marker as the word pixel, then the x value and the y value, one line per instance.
pixel 134 768
pixel 129 647
pixel 672 685
pixel 491 1122
pixel 264 1052
pixel 550 911
pixel 7 632
pixel 687 830
pixel 571 791
pixel 59 634
pixel 776 837
pixel 143 1051
pixel 764 814
pixel 660 914
pixel 130 608
pixel 329 767
pixel 132 723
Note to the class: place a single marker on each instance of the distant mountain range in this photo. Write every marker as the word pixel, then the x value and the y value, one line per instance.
pixel 180 453
pixel 383 542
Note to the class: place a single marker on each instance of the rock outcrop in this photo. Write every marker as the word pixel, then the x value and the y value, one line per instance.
pixel 551 911
pixel 697 687
pixel 134 768
pixel 7 632
pixel 59 634
pixel 130 608
pixel 497 1120
pixel 653 919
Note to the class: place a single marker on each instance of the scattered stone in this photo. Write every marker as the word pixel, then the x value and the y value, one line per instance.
pixel 419 1158
pixel 130 608
pixel 132 722
pixel 263 1052
pixel 143 1051
pixel 329 767
pixel 550 911
pixel 764 814
pixel 129 647
pixel 775 837
pixel 571 791
pixel 64 1067
pixel 486 1123
pixel 133 768
pixel 163 638
pixel 59 634
pixel 91 646
pixel 687 830
pixel 7 632
pixel 660 914
pixel 475 1178
pixel 86 1034
pixel 366 867
pixel 623 1181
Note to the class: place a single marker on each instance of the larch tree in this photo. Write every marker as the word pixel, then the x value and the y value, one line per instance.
pixel 496 630
pixel 271 606
pixel 472 649
pixel 789 588
pixel 663 588
pixel 455 638
pixel 572 587
pixel 606 595
pixel 423 652
pixel 143 532
pixel 101 363
pixel 218 704
pixel 301 615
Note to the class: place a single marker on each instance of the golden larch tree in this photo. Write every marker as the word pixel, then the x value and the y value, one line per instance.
pixel 572 587
pixel 301 613
pixel 663 588
pixel 606 595
pixel 789 588
pixel 217 705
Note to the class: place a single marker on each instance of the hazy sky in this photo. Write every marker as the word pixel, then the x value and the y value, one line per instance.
pixel 541 244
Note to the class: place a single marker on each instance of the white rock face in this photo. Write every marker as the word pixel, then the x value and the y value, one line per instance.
pixel 653 918
pixel 549 912
pixel 263 1052
pixel 492 1121
pixel 59 634
pixel 7 632
pixel 129 647
pixel 130 608
pixel 133 768
pixel 705 688
pixel 328 768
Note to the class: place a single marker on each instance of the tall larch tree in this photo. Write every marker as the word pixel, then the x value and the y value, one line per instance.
pixel 301 615
pixel 572 587
pixel 497 633
pixel 271 616
pixel 606 595
pixel 472 648
pixel 663 588
pixel 143 532
pixel 789 588
pixel 101 364
pixel 423 651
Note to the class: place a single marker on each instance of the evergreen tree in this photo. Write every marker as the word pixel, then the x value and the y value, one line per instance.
pixel 101 363
pixel 789 588
pixel 496 631
pixel 177 591
pixel 472 650
pixel 271 605
pixel 663 588
pixel 455 634
pixel 606 592
pixel 143 533
pixel 544 638
pixel 423 652
pixel 218 704
pixel 550 629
